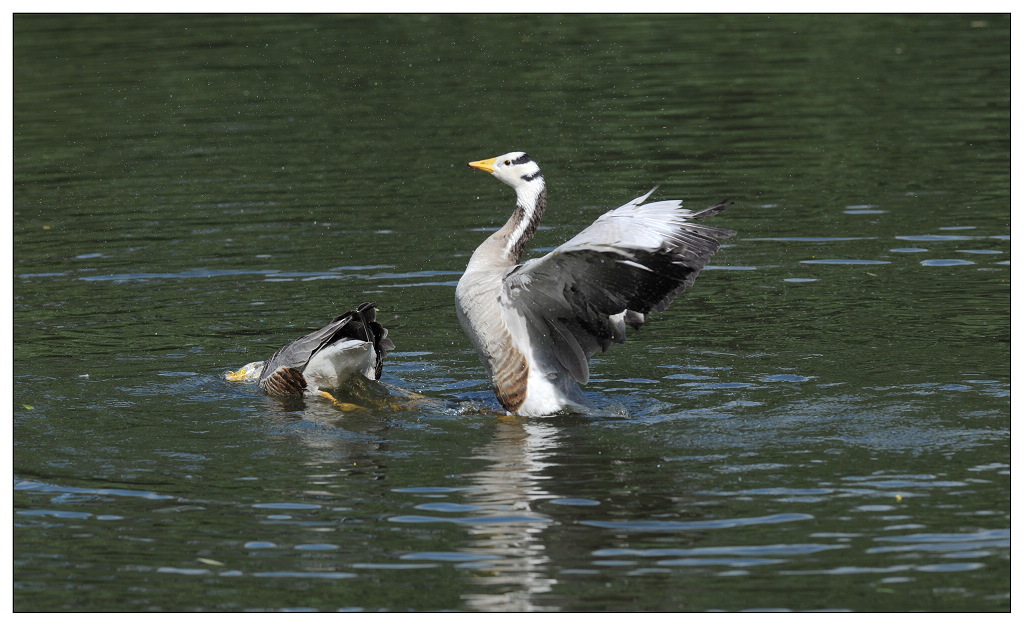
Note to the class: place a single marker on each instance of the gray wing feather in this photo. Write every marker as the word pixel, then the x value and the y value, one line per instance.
pixel 631 260
pixel 297 354
pixel 568 350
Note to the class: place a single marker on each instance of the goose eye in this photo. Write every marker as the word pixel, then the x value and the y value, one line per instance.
pixel 507 162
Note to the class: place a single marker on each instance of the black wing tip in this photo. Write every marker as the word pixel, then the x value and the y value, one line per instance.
pixel 712 210
pixel 375 333
pixel 717 233
pixel 366 309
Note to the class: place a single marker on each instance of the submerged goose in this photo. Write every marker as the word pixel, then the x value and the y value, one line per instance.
pixel 353 343
pixel 535 325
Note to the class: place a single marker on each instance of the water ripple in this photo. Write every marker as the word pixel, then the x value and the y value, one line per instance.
pixel 286 506
pixel 40 487
pixel 447 507
pixel 482 520
pixel 765 550
pixel 287 574
pixel 651 525
pixel 935 237
pixel 947 541
pixel 946 262
pixel 843 262
pixel 808 239
pixel 450 557
pixel 433 490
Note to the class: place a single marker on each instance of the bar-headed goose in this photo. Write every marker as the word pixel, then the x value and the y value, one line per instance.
pixel 353 343
pixel 535 325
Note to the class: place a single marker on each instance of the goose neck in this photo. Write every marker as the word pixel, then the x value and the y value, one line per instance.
pixel 531 202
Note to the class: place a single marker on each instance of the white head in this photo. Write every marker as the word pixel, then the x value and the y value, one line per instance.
pixel 519 171
pixel 515 169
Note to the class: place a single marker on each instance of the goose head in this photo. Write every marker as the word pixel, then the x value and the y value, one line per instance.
pixel 515 169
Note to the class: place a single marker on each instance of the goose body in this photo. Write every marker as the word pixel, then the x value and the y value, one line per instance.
pixel 536 324
pixel 353 343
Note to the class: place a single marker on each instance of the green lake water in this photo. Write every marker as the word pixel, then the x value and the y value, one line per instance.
pixel 821 423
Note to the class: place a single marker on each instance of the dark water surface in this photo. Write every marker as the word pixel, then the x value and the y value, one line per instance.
pixel 821 423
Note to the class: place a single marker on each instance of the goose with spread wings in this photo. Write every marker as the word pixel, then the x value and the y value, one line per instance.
pixel 536 324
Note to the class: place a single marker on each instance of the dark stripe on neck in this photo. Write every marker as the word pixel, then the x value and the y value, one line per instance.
pixel 519 215
pixel 531 177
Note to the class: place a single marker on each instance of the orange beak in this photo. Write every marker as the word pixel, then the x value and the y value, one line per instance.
pixel 486 165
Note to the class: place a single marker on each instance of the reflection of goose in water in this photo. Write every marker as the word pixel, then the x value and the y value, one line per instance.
pixel 535 325
pixel 353 343
pixel 505 523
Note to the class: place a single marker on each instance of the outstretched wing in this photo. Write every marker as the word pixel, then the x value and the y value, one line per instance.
pixel 632 260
